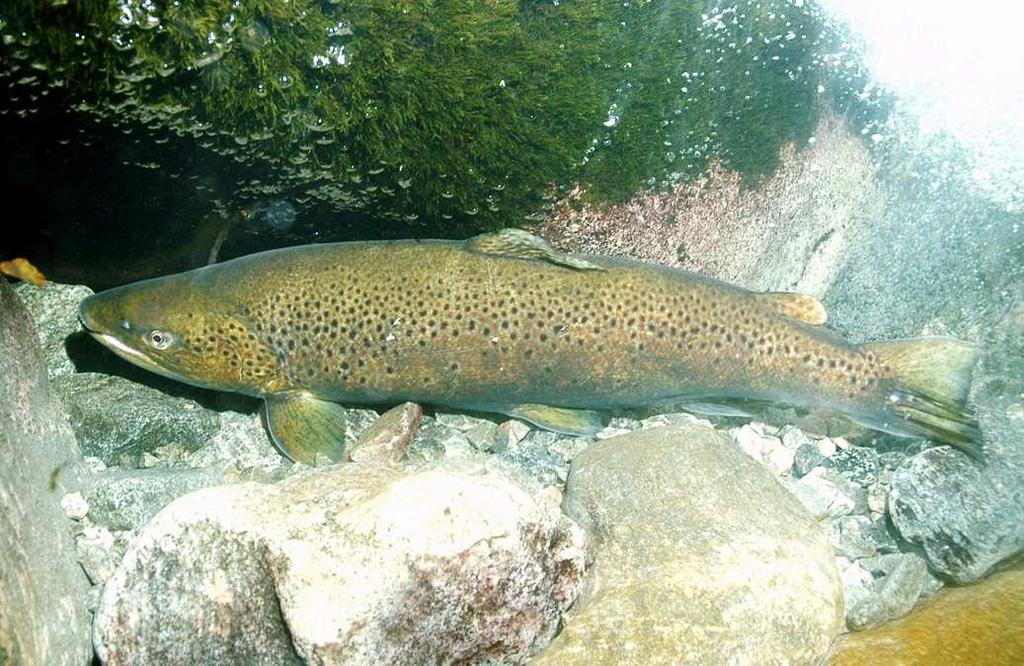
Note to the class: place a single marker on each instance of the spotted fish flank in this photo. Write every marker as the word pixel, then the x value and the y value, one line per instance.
pixel 504 323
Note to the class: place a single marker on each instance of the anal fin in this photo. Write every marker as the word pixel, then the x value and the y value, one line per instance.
pixel 520 244
pixel 802 307
pixel 303 426
pixel 580 422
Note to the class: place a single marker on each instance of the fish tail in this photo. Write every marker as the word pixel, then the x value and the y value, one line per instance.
pixel 931 378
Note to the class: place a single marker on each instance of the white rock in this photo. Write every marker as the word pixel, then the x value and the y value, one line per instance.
pixel 94 465
pixel 793 437
pixel 441 562
pixel 824 494
pixel 609 431
pixel 75 506
pixel 780 459
pixel 827 447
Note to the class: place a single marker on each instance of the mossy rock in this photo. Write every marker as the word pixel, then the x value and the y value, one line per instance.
pixel 461 113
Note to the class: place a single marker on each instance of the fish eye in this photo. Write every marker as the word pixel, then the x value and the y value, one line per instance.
pixel 159 339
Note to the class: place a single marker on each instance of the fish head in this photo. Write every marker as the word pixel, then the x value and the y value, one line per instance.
pixel 174 327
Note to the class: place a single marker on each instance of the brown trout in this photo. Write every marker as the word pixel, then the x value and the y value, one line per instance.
pixel 502 323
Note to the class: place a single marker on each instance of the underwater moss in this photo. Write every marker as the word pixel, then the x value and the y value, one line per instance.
pixel 471 113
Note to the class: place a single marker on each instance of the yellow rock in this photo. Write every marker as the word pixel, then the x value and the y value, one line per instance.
pixel 980 624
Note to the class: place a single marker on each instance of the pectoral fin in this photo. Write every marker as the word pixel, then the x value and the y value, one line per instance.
pixel 303 426
pixel 801 307
pixel 520 244
pixel 579 422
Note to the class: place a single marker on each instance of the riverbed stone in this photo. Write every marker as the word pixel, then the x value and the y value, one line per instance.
pixel 43 613
pixel 978 624
pixel 54 309
pixel 453 561
pixel 701 557
pixel 898 581
pixel 856 463
pixel 387 440
pixel 826 494
pixel 806 458
pixel 967 516
pixel 118 420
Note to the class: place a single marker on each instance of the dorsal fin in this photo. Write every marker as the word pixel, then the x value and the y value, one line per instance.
pixel 801 307
pixel 521 244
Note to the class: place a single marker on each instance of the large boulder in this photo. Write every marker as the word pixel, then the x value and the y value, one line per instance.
pixel 701 557
pixel 979 624
pixel 451 561
pixel 43 617
pixel 965 515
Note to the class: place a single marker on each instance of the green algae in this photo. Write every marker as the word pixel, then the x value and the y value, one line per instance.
pixel 466 113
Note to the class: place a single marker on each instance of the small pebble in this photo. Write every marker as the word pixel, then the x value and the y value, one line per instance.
pixel 806 458
pixel 483 436
pixel 827 447
pixel 94 465
pixel 877 498
pixel 509 434
pixel 609 432
pixel 75 506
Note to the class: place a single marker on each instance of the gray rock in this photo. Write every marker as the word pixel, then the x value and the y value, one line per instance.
pixel 826 494
pixel 356 422
pixel 966 516
pixel 898 581
pixel 446 562
pixel 673 418
pixel 854 539
pixel 483 436
pixel 54 309
pixel 806 458
pixel 43 613
pixel 100 550
pixel 624 423
pixel 856 463
pixel 240 441
pixel 388 439
pixel 545 456
pixel 460 422
pixel 793 438
pixel 117 420
pixel 860 536
pixel 509 434
pixel 891 460
pixel 702 557
pixel 435 441
pixel 125 499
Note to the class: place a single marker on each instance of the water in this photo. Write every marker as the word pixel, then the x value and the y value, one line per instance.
pixel 870 155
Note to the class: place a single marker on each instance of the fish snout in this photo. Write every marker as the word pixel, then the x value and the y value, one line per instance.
pixel 86 315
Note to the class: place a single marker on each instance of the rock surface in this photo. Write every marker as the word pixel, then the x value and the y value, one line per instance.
pixel 980 624
pixel 118 420
pixel 43 616
pixel 389 437
pixel 701 557
pixel 894 585
pixel 55 312
pixel 449 561
pixel 966 519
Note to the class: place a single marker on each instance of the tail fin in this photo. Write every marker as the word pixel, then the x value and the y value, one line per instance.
pixel 931 379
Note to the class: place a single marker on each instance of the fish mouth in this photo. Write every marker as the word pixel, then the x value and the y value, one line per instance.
pixel 111 342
